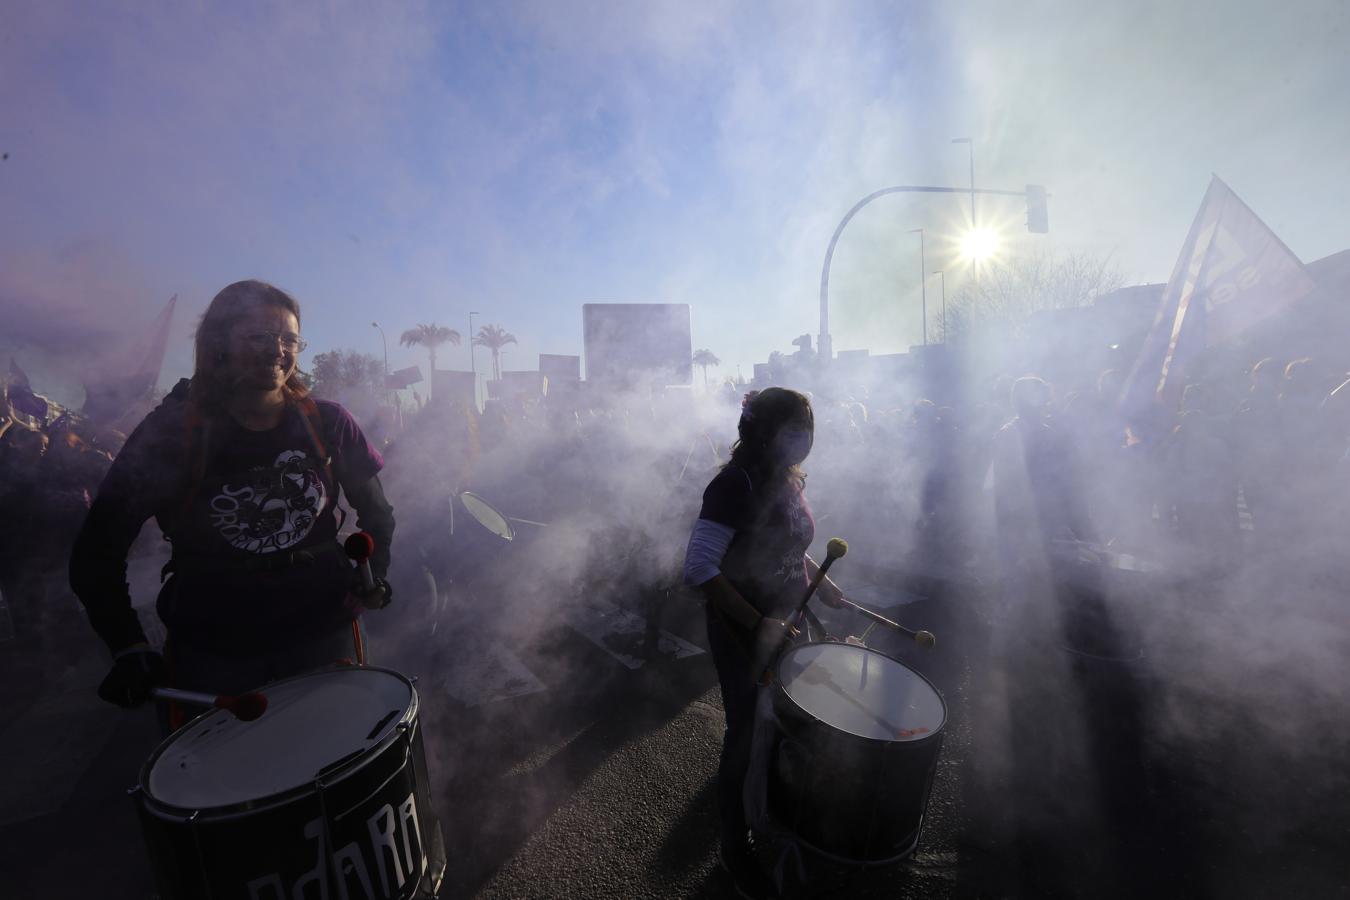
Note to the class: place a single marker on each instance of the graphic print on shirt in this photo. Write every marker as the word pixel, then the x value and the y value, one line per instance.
pixel 274 508
pixel 799 526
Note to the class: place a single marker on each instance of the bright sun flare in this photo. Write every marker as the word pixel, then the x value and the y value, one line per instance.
pixel 979 244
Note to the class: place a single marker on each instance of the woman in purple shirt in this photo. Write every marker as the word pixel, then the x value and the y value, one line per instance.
pixel 241 469
pixel 747 556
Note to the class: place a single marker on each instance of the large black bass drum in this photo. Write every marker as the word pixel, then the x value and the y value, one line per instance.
pixel 858 743
pixel 324 796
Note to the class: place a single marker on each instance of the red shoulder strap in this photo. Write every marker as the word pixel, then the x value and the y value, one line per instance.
pixel 196 436
pixel 309 414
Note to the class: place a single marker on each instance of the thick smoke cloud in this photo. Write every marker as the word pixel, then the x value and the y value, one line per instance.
pixel 522 159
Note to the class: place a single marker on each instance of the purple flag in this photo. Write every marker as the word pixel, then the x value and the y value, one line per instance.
pixel 20 403
pixel 133 378
pixel 17 376
pixel 1232 273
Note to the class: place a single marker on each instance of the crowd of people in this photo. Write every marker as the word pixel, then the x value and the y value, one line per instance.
pixel 1248 470
pixel 48 477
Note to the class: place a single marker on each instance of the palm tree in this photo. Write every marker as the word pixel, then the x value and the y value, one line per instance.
pixel 703 359
pixel 494 337
pixel 430 336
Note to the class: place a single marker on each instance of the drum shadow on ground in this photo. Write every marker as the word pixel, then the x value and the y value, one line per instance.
pixel 690 845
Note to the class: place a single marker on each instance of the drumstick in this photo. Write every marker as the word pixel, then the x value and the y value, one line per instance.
pixel 836 548
pixel 924 639
pixel 527 522
pixel 244 707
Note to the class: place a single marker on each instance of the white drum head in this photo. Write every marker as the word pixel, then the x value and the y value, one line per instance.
pixel 486 516
pixel 311 722
pixel 861 692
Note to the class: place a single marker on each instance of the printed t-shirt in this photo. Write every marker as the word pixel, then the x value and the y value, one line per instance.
pixel 263 495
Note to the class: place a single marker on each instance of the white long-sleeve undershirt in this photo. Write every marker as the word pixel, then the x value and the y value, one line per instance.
pixel 707 548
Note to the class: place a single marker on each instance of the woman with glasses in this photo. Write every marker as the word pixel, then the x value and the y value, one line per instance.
pixel 242 470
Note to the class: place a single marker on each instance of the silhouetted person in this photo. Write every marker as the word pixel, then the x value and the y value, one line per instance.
pixel 21 452
pixel 1202 470
pixel 1256 434
pixel 747 556
pixel 1037 486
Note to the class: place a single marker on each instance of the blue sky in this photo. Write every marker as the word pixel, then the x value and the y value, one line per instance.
pixel 411 162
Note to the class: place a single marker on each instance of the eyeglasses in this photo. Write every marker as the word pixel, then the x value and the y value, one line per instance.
pixel 264 340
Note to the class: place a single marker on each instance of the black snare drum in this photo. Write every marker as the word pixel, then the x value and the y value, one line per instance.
pixel 857 750
pixel 325 795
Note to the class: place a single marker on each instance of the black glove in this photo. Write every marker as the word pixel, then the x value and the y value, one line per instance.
pixel 133 675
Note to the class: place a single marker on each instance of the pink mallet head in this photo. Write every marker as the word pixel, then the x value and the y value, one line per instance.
pixel 245 707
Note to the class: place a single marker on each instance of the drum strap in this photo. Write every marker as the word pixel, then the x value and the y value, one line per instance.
pixel 309 414
pixel 197 438
pixel 360 644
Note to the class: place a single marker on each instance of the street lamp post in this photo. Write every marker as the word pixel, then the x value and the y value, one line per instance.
pixel 943 273
pixel 385 345
pixel 923 283
pixel 473 361
pixel 970 145
pixel 826 350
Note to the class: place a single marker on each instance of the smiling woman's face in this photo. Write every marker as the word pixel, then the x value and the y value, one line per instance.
pixel 261 353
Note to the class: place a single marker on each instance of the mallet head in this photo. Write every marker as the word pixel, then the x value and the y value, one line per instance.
pixel 836 548
pixel 359 546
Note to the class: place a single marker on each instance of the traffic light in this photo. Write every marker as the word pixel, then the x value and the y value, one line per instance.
pixel 1038 220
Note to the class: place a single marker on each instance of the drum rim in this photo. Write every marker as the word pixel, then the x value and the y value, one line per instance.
pixel 935 735
pixel 167 810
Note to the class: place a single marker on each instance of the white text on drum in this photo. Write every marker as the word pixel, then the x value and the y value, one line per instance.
pixel 386 829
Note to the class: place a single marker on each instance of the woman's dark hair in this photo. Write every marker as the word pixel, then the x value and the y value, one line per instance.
pixel 764 414
pixel 209 384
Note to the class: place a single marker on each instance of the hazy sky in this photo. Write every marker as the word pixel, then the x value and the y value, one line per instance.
pixel 409 163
